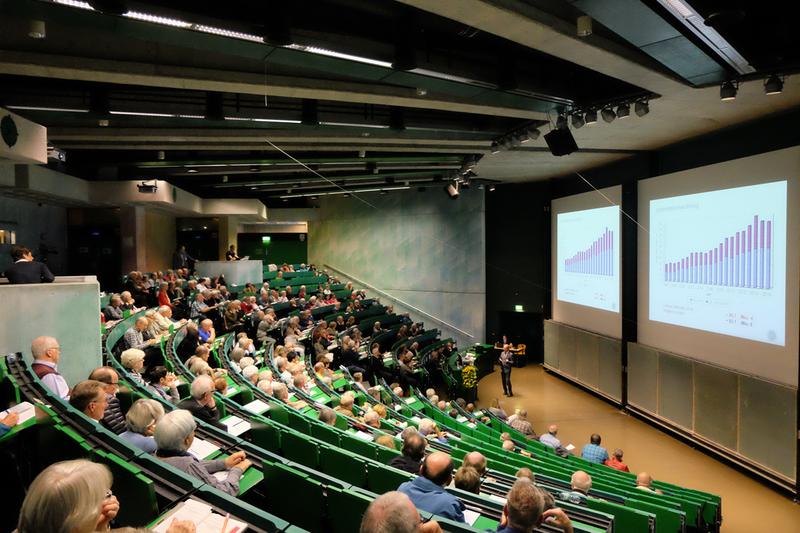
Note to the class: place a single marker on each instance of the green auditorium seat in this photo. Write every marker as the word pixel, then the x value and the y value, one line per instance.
pixel 133 488
pixel 298 447
pixel 325 434
pixel 294 496
pixel 346 507
pixel 625 518
pixel 343 465
pixel 381 479
pixel 358 446
pixel 384 454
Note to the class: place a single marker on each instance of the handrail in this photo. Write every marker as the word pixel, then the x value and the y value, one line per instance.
pixel 401 302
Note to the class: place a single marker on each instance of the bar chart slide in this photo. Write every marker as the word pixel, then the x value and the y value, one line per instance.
pixel 717 261
pixel 743 259
pixel 587 258
pixel 597 259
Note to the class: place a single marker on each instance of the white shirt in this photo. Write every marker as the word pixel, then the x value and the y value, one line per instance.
pixel 55 382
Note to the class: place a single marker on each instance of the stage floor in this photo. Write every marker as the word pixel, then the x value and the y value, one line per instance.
pixel 747 505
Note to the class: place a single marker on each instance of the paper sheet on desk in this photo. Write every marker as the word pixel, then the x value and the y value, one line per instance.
pixel 25 410
pixel 569 447
pixel 204 519
pixel 256 407
pixel 236 426
pixel 471 516
pixel 202 448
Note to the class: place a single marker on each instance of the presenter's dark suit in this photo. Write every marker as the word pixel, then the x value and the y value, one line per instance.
pixel 29 272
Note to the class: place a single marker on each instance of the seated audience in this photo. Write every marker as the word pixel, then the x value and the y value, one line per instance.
pixel 593 452
pixel 327 416
pixel 141 420
pixel 89 397
pixel 615 461
pixel 468 479
pixel 134 336
pixel 8 422
pixel 581 484
pixel 526 509
pixel 188 346
pixel 521 424
pixel 174 436
pixel 550 439
pixel 427 491
pixel 206 331
pixel 644 481
pixel 497 411
pixel 163 383
pixel 113 311
pixel 281 392
pixel 46 354
pixel 345 406
pixel 202 403
pixel 372 419
pixel 412 453
pixel 386 440
pixel 477 461
pixel 394 512
pixel 113 418
pixel 132 360
pixel 429 429
pixel 526 473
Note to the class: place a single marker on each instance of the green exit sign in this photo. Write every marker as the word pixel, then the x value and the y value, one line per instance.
pixel 265 240
pixel 518 308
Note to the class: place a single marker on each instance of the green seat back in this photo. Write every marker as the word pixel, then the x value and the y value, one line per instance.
pixel 284 486
pixel 342 465
pixel 346 507
pixel 299 448
pixel 381 479
pixel 325 434
pixel 132 487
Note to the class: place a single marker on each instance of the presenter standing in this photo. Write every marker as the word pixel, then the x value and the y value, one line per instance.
pixel 231 255
pixel 506 364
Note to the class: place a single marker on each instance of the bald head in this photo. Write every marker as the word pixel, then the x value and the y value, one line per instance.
pixel 476 460
pixel 438 468
pixel 508 445
pixel 581 482
pixel 45 348
pixel 553 429
pixel 644 480
pixel 392 512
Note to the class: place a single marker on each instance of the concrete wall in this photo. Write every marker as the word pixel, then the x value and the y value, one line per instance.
pixel 38 226
pixel 423 249
pixel 68 309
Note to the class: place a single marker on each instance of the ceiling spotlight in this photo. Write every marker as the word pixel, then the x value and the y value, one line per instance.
pixel 728 90
pixel 773 85
pixel 383 193
pixel 608 114
pixel 590 117
pixel 561 122
pixel 103 122
pixel 584 26
pixel 255 169
pixel 641 108
pixel 225 179
pixel 578 121
pixel 623 111
pixel 421 91
pixel 192 171
pixel 495 147
pixel 491 188
pixel 362 153
pixel 160 155
pixel 313 197
pixel 37 30
pixel 452 190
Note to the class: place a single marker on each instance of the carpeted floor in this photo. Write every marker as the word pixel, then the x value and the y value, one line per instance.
pixel 747 505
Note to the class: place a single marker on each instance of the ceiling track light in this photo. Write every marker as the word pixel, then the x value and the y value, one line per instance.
pixel 641 108
pixel 773 85
pixel 728 90
pixel 623 111
pixel 590 117
pixel 37 29
pixel 608 114
pixel 578 121
pixel 561 122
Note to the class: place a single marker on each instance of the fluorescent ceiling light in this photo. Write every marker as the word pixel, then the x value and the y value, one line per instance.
pixel 74 3
pixel 275 120
pixel 142 114
pixel 351 191
pixel 684 10
pixel 451 77
pixel 227 33
pixel 339 55
pixel 166 21
pixel 58 109
pixel 349 124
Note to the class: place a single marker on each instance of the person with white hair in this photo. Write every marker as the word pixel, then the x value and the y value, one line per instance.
pixel 580 484
pixel 265 386
pixel 283 372
pixel 281 392
pixel 141 420
pixel 206 332
pixel 134 336
pixel 46 354
pixel 202 403
pixel 428 429
pixel 442 405
pixel 198 367
pixel 345 406
pixel 434 399
pixel 430 394
pixel 372 419
pixel 327 416
pixel 132 360
pixel 174 435
pixel 393 512
pixel 250 373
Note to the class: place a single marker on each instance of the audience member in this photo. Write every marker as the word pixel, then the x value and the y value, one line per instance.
pixel 525 509
pixel 163 383
pixel 25 269
pixel 581 484
pixel 468 479
pixel 46 354
pixel 188 346
pixel 345 406
pixel 113 311
pixel 141 420
pixel 174 435
pixel 427 491
pixel 644 481
pixel 327 416
pixel 498 411
pixel 429 429
pixel 526 473
pixel 550 439
pixel 134 336
pixel 521 424
pixel 412 453
pixel 386 440
pixel 372 419
pixel 593 452
pixel 394 512
pixel 132 360
pixel 89 397
pixel 202 403
pixel 206 332
pixel 113 418
pixel 615 461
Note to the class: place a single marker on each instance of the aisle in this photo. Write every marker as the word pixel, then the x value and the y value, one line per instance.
pixel 747 505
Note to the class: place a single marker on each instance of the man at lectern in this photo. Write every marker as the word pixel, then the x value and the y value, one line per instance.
pixel 230 255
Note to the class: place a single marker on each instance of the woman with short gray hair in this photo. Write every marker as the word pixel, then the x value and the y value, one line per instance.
pixel 141 419
pixel 174 435
pixel 133 361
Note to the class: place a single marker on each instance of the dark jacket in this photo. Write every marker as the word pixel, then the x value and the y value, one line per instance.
pixel 405 463
pixel 113 418
pixel 203 412
pixel 29 272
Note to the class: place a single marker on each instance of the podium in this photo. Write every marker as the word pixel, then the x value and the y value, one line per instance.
pixel 236 272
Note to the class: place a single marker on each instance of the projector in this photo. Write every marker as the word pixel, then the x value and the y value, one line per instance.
pixel 147 188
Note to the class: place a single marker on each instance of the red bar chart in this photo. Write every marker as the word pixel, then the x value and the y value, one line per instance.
pixel 597 259
pixel 744 259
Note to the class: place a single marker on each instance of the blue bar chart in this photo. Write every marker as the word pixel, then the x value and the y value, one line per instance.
pixel 597 259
